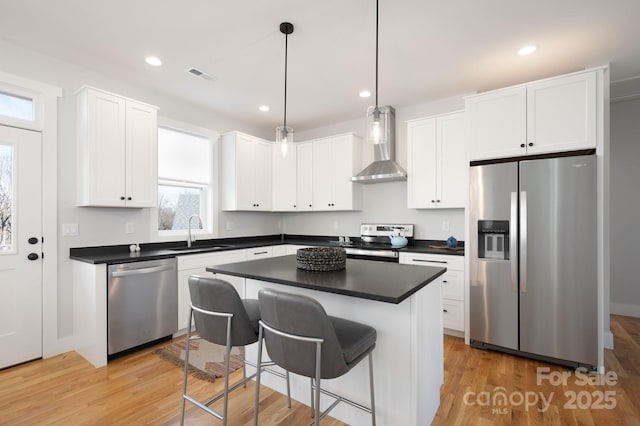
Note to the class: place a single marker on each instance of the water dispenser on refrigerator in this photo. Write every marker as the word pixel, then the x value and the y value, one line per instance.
pixel 493 239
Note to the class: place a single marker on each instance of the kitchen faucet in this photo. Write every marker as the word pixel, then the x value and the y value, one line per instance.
pixel 189 226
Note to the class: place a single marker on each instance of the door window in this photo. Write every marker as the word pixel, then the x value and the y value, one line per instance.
pixel 16 107
pixel 6 198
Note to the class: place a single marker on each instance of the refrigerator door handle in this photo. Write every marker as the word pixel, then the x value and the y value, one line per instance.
pixel 513 241
pixel 523 241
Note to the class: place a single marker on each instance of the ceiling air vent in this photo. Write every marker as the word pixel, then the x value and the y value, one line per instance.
pixel 201 74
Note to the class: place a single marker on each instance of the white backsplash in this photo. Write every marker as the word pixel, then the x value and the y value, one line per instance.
pixel 382 203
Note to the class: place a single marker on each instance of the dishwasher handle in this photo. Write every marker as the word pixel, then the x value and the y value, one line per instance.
pixel 140 271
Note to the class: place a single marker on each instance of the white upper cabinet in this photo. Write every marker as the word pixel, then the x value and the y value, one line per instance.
pixel 437 162
pixel 142 155
pixel 117 150
pixel 561 114
pixel 304 190
pixel 552 115
pixel 285 169
pixel 335 161
pixel 497 123
pixel 246 180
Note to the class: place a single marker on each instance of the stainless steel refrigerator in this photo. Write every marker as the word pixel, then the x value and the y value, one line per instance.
pixel 533 258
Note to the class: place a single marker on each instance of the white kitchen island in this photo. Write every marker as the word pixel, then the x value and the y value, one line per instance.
pixel 402 302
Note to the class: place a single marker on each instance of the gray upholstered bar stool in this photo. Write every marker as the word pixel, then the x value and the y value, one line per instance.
pixel 301 338
pixel 223 318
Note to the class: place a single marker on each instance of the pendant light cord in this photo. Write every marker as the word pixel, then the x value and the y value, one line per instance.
pixel 376 54
pixel 286 48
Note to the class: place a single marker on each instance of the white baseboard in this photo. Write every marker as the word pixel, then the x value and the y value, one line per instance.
pixel 60 346
pixel 625 309
pixel 608 339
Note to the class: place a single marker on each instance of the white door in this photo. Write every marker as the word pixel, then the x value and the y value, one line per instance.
pixel 20 246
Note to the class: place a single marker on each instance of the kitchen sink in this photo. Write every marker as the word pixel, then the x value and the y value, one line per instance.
pixel 199 248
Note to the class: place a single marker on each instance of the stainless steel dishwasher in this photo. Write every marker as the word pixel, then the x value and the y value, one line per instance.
pixel 142 303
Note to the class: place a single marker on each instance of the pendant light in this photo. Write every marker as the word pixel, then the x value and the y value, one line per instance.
pixel 284 134
pixel 378 117
pixel 381 134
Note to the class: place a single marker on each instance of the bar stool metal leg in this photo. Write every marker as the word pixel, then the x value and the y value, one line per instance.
pixel 186 367
pixel 317 394
pixel 313 410
pixel 373 404
pixel 258 370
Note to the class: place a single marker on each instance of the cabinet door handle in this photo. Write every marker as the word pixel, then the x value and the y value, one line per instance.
pixel 530 143
pixel 444 281
pixel 309 205
pixel 433 201
pixel 122 198
pixel 129 198
pixel 437 201
pixel 445 311
pixel 427 260
pixel 522 145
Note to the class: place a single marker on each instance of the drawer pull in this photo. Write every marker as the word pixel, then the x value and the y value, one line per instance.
pixel 445 311
pixel 260 252
pixel 432 261
pixel 444 281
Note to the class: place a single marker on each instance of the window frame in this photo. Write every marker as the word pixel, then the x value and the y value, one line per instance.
pixel 209 203
pixel 38 105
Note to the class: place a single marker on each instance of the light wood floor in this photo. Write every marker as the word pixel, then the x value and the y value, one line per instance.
pixel 141 389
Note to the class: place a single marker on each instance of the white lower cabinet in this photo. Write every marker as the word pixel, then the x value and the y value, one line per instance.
pixel 280 250
pixel 293 249
pixel 259 252
pixel 452 285
pixel 196 264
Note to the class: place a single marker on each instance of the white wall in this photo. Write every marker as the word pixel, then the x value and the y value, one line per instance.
pixel 105 226
pixel 625 207
pixel 382 202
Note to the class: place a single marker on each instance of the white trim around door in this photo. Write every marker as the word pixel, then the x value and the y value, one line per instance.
pixel 45 99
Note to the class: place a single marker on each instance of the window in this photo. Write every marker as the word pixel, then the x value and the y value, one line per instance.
pixel 16 107
pixel 185 163
pixel 6 198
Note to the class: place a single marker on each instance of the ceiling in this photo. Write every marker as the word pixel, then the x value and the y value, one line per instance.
pixel 429 49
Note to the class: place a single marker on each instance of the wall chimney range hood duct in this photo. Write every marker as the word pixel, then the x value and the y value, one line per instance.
pixel 383 168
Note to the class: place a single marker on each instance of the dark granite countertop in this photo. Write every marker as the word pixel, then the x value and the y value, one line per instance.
pixel 381 281
pixel 152 251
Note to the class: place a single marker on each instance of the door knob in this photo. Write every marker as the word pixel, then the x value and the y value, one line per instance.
pixel 32 256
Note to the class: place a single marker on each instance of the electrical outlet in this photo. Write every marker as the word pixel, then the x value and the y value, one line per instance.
pixel 445 225
pixel 69 229
pixel 129 228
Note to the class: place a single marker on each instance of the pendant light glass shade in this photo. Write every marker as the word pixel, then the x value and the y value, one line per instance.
pixel 379 124
pixel 284 137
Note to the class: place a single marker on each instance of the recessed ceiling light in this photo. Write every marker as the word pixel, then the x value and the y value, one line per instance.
pixel 365 94
pixel 263 108
pixel 527 50
pixel 152 60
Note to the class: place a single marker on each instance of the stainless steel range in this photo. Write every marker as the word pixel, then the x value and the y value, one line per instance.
pixel 375 242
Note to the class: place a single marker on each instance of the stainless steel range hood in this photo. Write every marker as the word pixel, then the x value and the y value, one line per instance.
pixel 383 168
